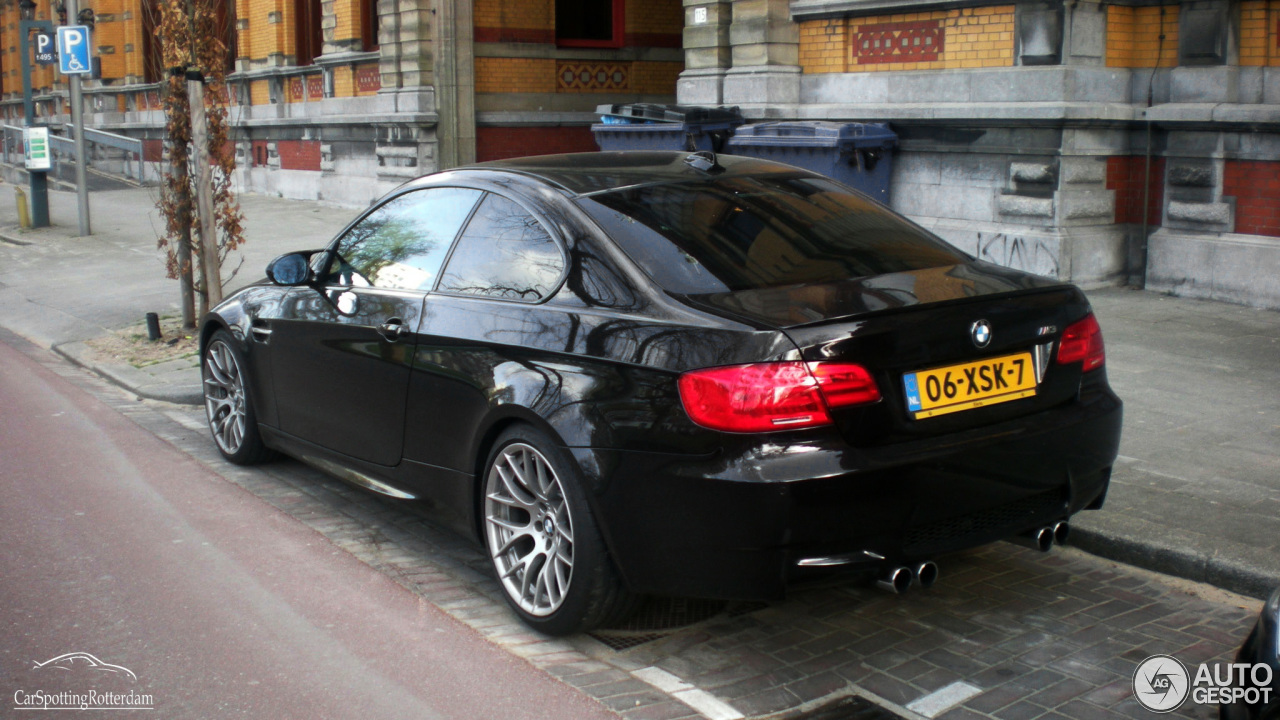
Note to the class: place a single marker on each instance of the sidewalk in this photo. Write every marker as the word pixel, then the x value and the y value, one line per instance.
pixel 59 290
pixel 1196 492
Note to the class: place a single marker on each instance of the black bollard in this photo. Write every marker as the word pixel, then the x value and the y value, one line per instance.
pixel 153 326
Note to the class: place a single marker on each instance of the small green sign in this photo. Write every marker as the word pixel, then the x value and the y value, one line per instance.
pixel 36 141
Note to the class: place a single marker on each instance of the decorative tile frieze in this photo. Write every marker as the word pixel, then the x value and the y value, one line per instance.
pixel 918 41
pixel 592 77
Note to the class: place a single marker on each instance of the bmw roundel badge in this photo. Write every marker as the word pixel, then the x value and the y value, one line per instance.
pixel 980 331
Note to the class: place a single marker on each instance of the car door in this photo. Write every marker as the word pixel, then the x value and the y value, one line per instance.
pixel 343 347
pixel 484 314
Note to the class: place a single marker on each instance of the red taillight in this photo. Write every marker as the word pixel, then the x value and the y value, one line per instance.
pixel 1082 342
pixel 773 396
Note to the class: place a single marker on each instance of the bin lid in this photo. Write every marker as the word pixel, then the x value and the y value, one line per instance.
pixel 672 113
pixel 814 133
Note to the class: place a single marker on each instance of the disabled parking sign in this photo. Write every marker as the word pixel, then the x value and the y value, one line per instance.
pixel 73 50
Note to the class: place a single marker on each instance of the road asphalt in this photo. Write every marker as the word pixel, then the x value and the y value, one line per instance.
pixel 120 543
pixel 1195 493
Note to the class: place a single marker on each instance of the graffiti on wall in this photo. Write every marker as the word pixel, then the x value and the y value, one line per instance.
pixel 1034 255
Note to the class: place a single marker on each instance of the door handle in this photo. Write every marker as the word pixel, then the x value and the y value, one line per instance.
pixel 260 331
pixel 392 329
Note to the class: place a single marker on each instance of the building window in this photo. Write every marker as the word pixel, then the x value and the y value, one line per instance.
pixel 310 38
pixel 369 24
pixel 589 23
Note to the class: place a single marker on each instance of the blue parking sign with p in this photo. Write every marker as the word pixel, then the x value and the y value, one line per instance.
pixel 73 50
pixel 45 54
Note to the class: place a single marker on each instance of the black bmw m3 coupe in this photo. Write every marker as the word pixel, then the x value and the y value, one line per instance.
pixel 670 373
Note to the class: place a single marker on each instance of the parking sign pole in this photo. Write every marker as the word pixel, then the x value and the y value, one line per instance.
pixel 77 119
pixel 39 184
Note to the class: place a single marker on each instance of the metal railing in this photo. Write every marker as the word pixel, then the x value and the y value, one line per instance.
pixel 105 148
pixel 102 142
pixel 12 152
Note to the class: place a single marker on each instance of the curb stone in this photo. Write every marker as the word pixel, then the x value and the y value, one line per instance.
pixel 1183 562
pixel 8 237
pixel 130 378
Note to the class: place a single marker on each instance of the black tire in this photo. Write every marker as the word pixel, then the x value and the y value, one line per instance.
pixel 515 534
pixel 228 402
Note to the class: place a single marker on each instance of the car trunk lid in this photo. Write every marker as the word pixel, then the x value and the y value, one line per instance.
pixel 900 324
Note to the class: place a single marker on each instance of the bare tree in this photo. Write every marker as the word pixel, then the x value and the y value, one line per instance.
pixel 203 222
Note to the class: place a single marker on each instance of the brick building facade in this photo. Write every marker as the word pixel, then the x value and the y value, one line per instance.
pixel 344 99
pixel 1101 142
pixel 1032 133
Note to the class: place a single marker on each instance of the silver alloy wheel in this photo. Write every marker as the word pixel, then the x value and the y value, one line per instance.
pixel 224 397
pixel 529 529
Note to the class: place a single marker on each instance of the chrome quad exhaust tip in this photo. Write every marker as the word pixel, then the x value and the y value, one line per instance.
pixel 896 580
pixel 1039 539
pixel 926 574
pixel 1061 531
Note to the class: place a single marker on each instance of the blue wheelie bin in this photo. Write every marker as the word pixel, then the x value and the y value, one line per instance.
pixel 650 126
pixel 856 154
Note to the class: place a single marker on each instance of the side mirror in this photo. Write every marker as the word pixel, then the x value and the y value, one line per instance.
pixel 291 269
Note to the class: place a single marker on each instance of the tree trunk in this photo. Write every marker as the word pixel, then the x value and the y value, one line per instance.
pixel 185 286
pixel 211 269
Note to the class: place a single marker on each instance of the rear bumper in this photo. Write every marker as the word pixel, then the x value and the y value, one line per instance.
pixel 736 524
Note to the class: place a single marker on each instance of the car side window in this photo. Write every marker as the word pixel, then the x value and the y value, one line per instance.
pixel 505 253
pixel 402 244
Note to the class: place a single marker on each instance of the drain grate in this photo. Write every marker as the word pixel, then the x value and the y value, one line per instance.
pixel 671 613
pixel 658 617
pixel 620 640
pixel 852 707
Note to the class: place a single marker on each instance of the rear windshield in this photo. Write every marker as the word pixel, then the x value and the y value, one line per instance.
pixel 747 233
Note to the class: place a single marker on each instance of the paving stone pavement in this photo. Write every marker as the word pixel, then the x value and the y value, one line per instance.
pixel 1054 635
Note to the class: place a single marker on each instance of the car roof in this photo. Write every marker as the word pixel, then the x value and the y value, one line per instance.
pixel 585 173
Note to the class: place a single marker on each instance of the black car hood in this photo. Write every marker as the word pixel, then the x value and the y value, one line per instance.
pixel 798 305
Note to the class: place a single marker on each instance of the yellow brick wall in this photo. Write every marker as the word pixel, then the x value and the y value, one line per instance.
pixel 265 38
pixel 649 16
pixel 539 14
pixel 824 45
pixel 244 14
pixel 515 75
pixel 1133 37
pixel 972 38
pixel 655 78
pixel 108 38
pixel 1259 44
pixel 983 38
pixel 344 81
pixel 259 93
pixel 346 13
pixel 134 61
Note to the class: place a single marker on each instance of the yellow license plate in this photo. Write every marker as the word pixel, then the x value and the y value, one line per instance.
pixel 953 388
